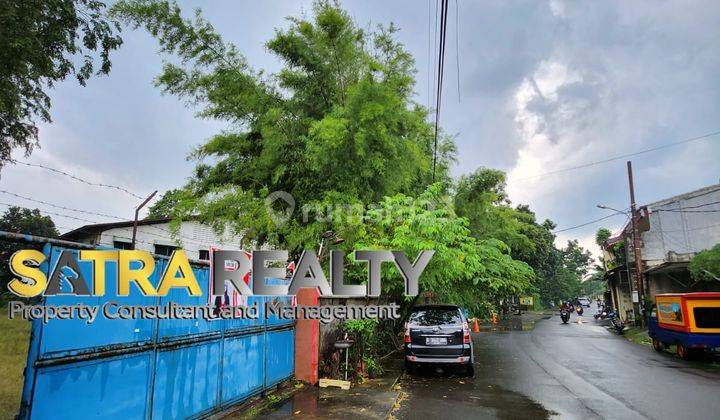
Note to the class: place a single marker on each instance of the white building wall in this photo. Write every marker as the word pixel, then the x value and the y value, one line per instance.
pixel 192 237
pixel 688 223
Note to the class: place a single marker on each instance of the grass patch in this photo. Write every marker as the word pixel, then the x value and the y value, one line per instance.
pixel 638 335
pixel 13 355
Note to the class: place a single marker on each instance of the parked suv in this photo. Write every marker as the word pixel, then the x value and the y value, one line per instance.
pixel 438 334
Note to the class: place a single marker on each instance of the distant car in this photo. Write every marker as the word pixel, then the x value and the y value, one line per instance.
pixel 584 302
pixel 438 334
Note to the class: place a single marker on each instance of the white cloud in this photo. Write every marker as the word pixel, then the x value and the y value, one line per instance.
pixel 557 7
pixel 616 81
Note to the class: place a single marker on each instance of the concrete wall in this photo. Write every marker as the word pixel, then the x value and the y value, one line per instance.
pixel 687 223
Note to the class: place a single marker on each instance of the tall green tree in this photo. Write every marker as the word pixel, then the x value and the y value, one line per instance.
pixel 481 198
pixel 338 120
pixel 41 43
pixel 26 221
pixel 336 136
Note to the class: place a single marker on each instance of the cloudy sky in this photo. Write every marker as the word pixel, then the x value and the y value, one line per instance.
pixel 544 86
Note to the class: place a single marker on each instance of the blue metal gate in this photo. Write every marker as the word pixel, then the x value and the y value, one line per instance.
pixel 150 368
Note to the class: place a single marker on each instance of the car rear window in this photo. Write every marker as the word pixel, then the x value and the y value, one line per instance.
pixel 436 316
pixel 707 317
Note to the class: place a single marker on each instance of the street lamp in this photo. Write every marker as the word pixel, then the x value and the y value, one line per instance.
pixel 602 206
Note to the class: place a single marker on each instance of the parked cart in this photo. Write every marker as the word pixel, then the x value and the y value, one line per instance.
pixel 691 321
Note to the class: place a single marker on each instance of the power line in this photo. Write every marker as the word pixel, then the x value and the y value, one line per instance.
pixel 429 57
pixel 77 178
pixel 70 229
pixel 588 223
pixel 171 234
pixel 691 207
pixel 61 207
pixel 441 66
pixel 51 213
pixel 457 45
pixel 666 210
pixel 689 211
pixel 652 149
pixel 435 50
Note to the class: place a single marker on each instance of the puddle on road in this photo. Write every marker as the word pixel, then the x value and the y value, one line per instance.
pixel 434 392
pixel 372 399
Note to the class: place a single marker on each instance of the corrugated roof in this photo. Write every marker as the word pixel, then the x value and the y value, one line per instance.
pixel 101 227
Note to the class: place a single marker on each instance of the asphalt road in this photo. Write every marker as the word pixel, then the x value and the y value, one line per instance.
pixel 564 371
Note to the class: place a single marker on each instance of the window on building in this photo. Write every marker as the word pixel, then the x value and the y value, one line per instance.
pixel 122 245
pixel 204 255
pixel 166 250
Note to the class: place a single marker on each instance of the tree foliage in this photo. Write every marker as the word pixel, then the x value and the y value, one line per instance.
pixel 338 117
pixel 336 136
pixel 481 198
pixel 26 221
pixel 429 222
pixel 42 42
pixel 705 266
pixel 163 207
pixel 602 235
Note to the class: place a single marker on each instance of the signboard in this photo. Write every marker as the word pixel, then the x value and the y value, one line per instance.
pixel 669 311
pixel 635 297
pixel 527 300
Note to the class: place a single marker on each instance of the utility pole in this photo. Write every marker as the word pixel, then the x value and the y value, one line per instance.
pixel 636 244
pixel 137 211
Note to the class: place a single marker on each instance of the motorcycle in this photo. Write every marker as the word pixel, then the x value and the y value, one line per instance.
pixel 614 320
pixel 617 325
pixel 564 316
pixel 602 314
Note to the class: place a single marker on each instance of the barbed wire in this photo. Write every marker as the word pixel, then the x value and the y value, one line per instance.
pixel 79 179
pixel 172 235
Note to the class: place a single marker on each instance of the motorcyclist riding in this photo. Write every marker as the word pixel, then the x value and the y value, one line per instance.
pixel 565 310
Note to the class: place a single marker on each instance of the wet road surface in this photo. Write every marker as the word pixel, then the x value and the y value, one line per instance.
pixel 567 371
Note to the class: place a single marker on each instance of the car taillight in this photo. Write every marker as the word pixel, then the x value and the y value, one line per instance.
pixel 407 334
pixel 466 333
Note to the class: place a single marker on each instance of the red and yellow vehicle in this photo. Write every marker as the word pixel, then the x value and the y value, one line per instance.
pixel 691 321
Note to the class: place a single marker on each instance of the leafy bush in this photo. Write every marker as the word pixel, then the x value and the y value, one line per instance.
pixel 371 342
pixel 705 266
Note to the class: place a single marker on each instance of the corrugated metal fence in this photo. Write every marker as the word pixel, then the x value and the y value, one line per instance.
pixel 156 368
